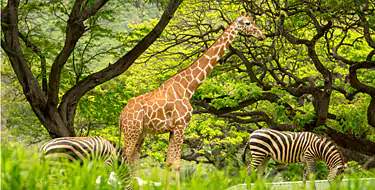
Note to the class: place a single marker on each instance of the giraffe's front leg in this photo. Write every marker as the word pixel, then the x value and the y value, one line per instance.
pixel 174 152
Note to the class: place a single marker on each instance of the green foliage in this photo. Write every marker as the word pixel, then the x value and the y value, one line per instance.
pixel 121 24
pixel 22 169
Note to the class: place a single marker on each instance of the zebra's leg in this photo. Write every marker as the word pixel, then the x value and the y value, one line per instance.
pixel 249 169
pixel 255 164
pixel 309 172
pixel 262 167
pixel 305 174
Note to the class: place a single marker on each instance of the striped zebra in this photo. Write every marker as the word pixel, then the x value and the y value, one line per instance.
pixel 293 147
pixel 81 149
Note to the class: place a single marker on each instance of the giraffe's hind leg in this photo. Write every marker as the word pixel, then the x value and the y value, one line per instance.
pixel 130 142
pixel 132 130
pixel 174 152
pixel 138 148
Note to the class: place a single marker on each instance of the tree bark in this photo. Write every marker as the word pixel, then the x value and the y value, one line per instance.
pixel 352 143
pixel 355 83
pixel 366 161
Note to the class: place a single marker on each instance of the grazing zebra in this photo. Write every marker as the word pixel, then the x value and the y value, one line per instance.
pixel 293 147
pixel 87 149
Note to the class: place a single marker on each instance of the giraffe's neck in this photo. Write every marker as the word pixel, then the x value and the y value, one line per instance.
pixel 192 77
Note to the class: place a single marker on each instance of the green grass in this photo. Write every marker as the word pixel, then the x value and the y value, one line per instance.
pixel 22 169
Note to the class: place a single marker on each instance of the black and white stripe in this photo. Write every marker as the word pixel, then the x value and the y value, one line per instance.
pixel 292 147
pixel 81 149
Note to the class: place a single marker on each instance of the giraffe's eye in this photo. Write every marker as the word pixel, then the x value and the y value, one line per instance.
pixel 247 23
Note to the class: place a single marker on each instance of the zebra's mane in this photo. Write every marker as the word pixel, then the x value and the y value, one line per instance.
pixel 326 140
pixel 119 150
pixel 329 140
pixel 114 144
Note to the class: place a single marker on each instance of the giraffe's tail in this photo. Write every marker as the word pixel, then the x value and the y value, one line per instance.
pixel 119 133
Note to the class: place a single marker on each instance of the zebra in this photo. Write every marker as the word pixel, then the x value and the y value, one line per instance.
pixel 81 149
pixel 293 147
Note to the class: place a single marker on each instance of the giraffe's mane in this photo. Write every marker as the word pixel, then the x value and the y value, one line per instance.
pixel 182 70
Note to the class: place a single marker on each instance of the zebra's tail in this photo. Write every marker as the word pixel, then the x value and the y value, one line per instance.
pixel 247 146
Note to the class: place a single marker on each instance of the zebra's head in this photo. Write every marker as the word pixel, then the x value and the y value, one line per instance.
pixel 334 172
pixel 333 157
pixel 122 159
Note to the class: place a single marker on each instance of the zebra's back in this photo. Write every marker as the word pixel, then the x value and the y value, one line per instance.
pixel 78 148
pixel 283 147
pixel 87 149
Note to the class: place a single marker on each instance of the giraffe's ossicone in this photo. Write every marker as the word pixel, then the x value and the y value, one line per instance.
pixel 167 109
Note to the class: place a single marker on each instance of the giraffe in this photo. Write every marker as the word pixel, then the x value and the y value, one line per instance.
pixel 167 108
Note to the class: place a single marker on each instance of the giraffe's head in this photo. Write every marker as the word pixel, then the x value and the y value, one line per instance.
pixel 247 26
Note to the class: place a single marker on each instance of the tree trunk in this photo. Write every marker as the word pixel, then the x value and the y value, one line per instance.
pixel 52 121
pixel 366 161
pixel 371 112
pixel 58 117
pixel 321 105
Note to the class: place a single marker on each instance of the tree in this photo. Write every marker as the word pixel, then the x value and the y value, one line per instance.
pixel 314 73
pixel 299 79
pixel 57 115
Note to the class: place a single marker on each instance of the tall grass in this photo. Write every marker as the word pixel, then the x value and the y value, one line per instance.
pixel 22 169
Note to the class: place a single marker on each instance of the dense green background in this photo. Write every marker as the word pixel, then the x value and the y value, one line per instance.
pixel 275 66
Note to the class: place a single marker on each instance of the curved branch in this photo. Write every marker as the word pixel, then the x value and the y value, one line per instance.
pixel 12 47
pixel 349 96
pixel 72 96
pixel 289 36
pixel 193 156
pixel 355 83
pixel 74 31
pixel 265 96
pixel 248 64
pixel 43 62
pixel 257 116
pixel 350 142
pixel 93 9
pixel 366 27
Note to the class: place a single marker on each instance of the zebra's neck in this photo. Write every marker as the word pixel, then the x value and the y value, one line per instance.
pixel 121 155
pixel 329 153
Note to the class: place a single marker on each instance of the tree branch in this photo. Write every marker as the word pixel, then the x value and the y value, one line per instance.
pixel 265 96
pixel 11 45
pixel 350 142
pixel 72 96
pixel 43 63
pixel 87 13
pixel 74 31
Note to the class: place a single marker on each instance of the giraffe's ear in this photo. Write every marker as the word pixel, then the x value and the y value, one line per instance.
pixel 243 13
